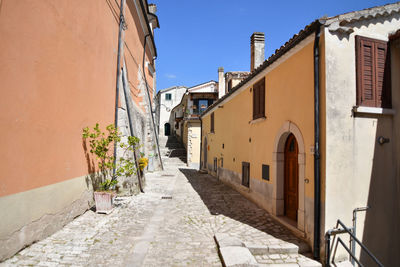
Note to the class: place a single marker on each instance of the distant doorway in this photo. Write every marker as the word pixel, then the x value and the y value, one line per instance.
pixel 291 178
pixel 167 129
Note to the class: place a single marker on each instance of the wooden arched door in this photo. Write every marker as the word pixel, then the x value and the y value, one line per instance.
pixel 291 183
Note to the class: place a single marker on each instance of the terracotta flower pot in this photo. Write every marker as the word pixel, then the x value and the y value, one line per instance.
pixel 104 202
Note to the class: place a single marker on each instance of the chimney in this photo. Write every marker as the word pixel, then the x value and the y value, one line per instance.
pixel 221 82
pixel 257 42
pixel 153 8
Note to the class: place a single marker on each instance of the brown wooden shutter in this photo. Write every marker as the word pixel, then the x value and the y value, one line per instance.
pixel 383 75
pixel 259 99
pixel 373 73
pixel 365 72
pixel 262 98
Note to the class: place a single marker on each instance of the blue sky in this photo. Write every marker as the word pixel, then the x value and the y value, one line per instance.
pixel 198 36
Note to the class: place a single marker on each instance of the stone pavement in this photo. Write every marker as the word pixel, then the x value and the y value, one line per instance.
pixel 172 224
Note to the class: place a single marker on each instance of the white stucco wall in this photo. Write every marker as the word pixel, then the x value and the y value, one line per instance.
pixel 165 106
pixel 359 171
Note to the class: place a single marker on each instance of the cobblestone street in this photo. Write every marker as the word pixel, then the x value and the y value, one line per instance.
pixel 172 224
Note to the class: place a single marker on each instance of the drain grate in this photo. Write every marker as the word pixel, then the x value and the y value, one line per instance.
pixel 166 197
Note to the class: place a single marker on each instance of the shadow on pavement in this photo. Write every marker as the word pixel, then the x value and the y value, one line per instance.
pixel 221 199
pixel 176 148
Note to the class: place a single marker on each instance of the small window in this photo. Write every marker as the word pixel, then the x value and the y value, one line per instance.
pixel 265 172
pixel 373 73
pixel 259 99
pixel 246 174
pixel 212 122
pixel 168 96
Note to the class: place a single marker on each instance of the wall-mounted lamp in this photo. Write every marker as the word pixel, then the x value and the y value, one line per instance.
pixel 382 140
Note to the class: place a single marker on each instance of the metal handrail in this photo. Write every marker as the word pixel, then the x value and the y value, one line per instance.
pixel 347 230
pixel 349 251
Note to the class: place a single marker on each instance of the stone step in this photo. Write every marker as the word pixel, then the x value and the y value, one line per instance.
pixel 286 248
pixel 234 252
pixel 343 264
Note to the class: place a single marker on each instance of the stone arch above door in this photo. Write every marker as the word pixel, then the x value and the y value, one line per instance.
pixel 278 176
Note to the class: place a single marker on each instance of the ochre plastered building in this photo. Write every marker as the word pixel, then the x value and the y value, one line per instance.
pixel 262 136
pixel 58 74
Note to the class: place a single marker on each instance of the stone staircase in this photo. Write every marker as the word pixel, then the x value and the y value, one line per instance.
pixel 172 151
pixel 234 252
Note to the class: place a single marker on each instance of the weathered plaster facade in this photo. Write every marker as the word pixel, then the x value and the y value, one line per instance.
pixel 238 138
pixel 358 169
pixel 69 83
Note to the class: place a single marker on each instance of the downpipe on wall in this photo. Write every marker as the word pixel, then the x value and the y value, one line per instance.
pixel 120 51
pixel 148 95
pixel 317 171
pixel 135 156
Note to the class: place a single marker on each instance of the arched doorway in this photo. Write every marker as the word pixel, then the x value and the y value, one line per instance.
pixel 291 178
pixel 283 142
pixel 167 129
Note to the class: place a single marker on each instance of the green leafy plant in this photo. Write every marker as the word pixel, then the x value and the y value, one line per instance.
pixel 107 184
pixel 102 146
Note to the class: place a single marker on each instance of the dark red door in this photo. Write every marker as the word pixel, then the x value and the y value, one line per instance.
pixel 291 187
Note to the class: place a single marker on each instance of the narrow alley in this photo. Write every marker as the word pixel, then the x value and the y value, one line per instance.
pixel 172 224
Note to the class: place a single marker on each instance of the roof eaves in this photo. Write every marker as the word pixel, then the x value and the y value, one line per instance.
pixel 338 23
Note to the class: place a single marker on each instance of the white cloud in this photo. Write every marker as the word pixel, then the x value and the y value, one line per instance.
pixel 170 76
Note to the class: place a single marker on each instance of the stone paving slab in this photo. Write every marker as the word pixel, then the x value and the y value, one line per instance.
pixel 147 230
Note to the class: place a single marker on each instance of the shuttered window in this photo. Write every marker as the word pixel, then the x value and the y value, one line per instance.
pixel 259 99
pixel 373 73
pixel 212 122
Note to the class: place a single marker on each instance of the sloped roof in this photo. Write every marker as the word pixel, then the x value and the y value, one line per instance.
pixel 335 23
pixel 170 88
pixel 339 22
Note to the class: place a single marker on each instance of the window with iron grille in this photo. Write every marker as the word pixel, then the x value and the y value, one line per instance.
pixel 373 73
pixel 265 172
pixel 246 174
pixel 259 99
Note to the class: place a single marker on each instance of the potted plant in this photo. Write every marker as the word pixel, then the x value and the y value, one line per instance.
pixel 102 147
pixel 104 198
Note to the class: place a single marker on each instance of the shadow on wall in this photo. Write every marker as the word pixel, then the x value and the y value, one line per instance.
pixel 381 229
pixel 221 199
pixel 92 177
